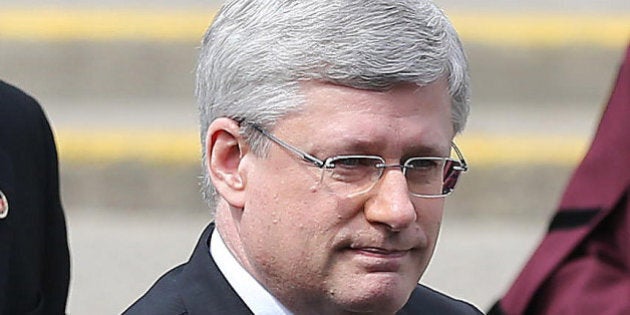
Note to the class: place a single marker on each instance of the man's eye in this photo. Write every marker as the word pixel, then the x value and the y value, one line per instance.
pixel 355 163
pixel 348 162
pixel 352 170
pixel 421 164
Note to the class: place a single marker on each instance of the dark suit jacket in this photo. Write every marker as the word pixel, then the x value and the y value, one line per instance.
pixel 582 266
pixel 34 259
pixel 198 287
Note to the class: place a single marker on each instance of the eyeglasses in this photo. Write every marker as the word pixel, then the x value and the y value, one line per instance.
pixel 351 175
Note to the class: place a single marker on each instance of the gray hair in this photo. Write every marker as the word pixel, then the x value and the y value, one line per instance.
pixel 256 52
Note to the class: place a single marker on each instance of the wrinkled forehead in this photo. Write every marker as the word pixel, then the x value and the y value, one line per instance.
pixel 406 116
pixel 399 98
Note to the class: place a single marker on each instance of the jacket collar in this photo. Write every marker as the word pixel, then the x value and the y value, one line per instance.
pixel 203 288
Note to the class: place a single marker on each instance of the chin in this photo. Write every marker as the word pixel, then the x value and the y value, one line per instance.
pixel 377 298
pixel 379 306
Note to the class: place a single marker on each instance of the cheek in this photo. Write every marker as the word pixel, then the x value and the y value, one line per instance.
pixel 290 215
pixel 292 241
pixel 430 214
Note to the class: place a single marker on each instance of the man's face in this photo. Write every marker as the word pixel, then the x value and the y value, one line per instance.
pixel 323 252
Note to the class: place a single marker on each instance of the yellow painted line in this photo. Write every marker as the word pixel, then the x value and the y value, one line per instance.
pixel 544 30
pixel 161 147
pixel 485 150
pixel 107 147
pixel 498 29
pixel 104 25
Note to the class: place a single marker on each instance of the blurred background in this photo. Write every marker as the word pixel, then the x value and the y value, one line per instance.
pixel 116 80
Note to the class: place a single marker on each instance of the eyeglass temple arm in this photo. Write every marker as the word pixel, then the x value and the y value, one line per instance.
pixel 460 156
pixel 307 157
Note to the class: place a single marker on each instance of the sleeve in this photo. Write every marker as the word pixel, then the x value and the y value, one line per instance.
pixel 57 270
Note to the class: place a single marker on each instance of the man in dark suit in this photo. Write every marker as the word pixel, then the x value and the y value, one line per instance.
pixel 582 266
pixel 34 259
pixel 327 131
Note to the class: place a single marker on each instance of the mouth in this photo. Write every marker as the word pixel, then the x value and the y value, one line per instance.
pixel 379 259
pixel 380 252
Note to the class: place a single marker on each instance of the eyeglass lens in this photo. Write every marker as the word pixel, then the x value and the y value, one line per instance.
pixel 425 176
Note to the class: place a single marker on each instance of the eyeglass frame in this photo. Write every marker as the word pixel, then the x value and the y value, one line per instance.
pixel 460 165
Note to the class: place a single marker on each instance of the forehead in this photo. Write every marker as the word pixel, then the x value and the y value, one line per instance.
pixel 406 115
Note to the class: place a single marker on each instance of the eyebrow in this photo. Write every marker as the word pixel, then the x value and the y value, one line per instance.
pixel 364 147
pixel 346 145
pixel 429 150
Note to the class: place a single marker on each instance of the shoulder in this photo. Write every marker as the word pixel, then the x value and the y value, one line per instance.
pixel 196 287
pixel 12 98
pixel 162 298
pixel 9 90
pixel 425 300
pixel 20 113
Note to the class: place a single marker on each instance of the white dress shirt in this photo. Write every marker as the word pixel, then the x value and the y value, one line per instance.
pixel 255 296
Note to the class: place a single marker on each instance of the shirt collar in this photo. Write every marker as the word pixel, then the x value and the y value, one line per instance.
pixel 255 296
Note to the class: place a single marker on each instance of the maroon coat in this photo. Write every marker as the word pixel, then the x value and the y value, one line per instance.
pixel 582 266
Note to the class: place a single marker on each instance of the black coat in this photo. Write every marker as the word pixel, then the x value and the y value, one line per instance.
pixel 34 258
pixel 198 288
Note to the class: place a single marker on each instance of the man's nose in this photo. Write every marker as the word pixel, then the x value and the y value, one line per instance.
pixel 390 202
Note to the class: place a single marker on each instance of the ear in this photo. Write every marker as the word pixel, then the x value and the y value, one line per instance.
pixel 224 151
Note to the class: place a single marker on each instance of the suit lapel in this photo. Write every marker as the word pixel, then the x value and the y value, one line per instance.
pixel 203 287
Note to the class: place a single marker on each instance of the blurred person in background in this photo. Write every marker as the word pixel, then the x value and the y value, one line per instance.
pixel 582 266
pixel 327 131
pixel 34 258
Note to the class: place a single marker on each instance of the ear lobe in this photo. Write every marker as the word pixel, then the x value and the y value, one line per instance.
pixel 224 151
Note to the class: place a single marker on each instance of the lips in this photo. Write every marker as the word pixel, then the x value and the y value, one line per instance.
pixel 376 251
pixel 379 259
